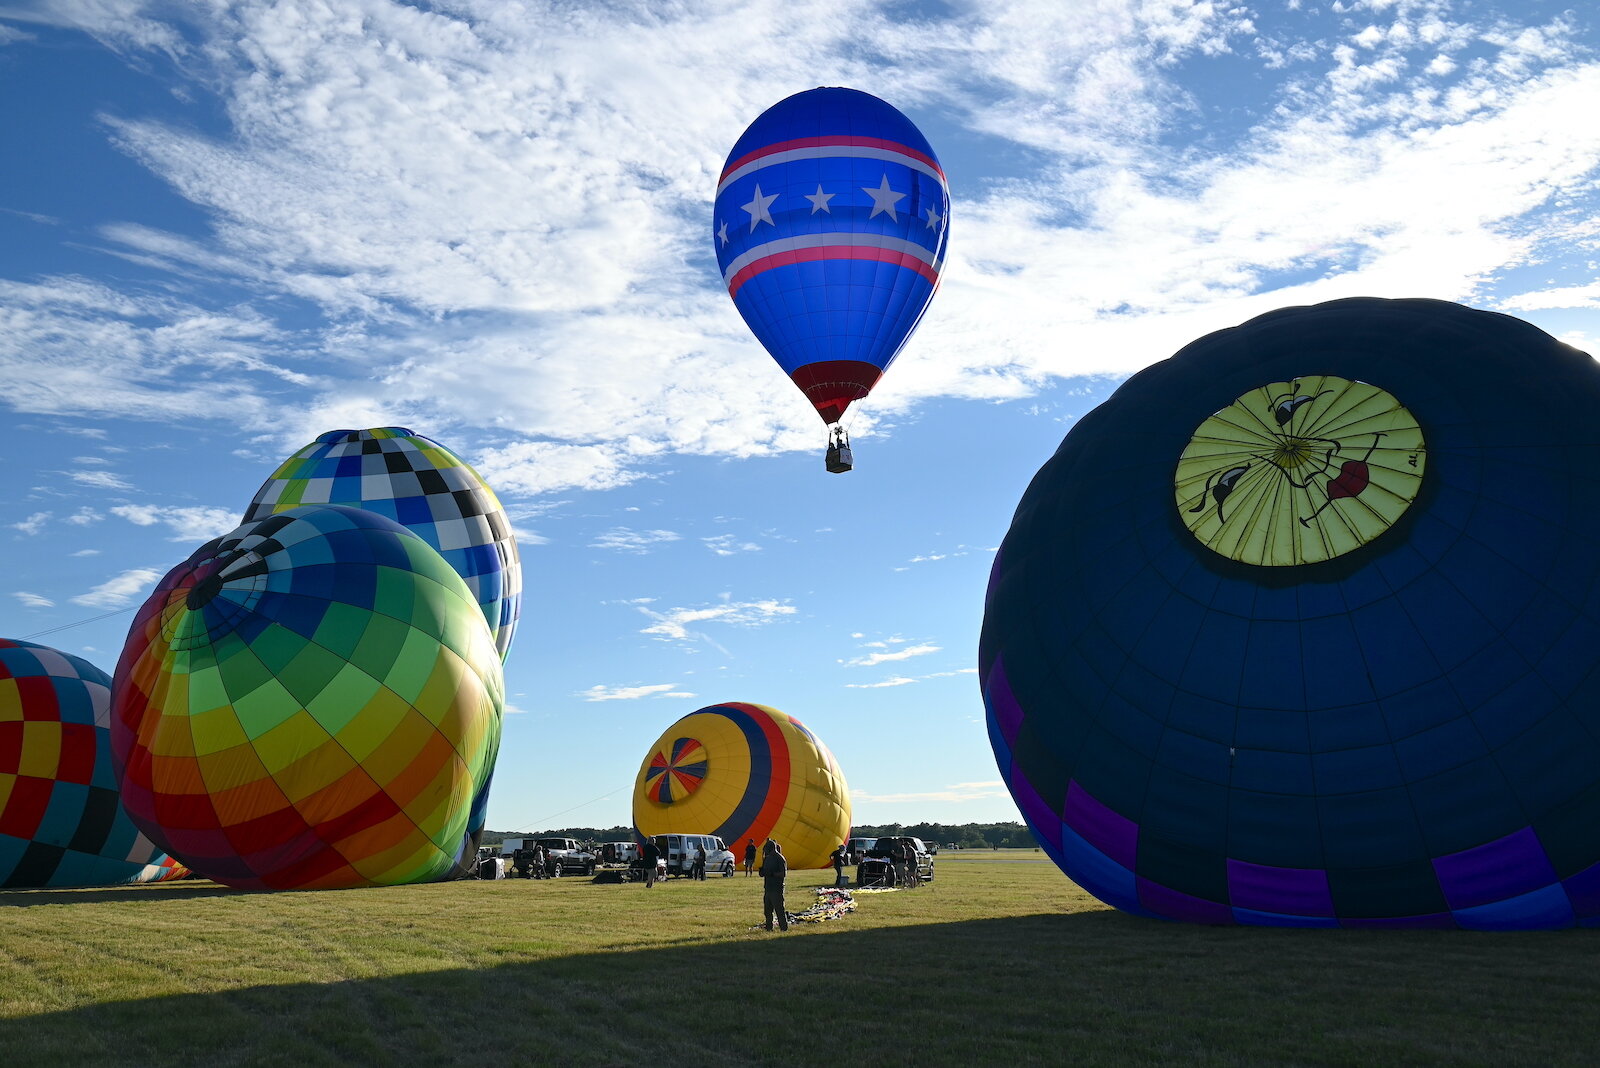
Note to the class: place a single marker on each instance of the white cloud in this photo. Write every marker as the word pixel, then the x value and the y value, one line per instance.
pixel 99 479
pixel 674 624
pixel 631 693
pixel 1584 296
pixel 624 540
pixel 90 460
pixel 87 552
pixel 897 680
pixel 961 791
pixel 33 524
pixel 122 590
pixel 83 517
pixel 33 600
pixel 903 680
pixel 76 348
pixel 729 545
pixel 874 659
pixel 509 202
pixel 189 524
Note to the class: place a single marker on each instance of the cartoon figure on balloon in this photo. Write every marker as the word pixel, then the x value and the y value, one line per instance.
pixel 1259 476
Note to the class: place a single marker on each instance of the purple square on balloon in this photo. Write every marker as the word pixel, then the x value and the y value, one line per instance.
pixel 1043 819
pixel 1002 702
pixel 1291 891
pixel 1177 905
pixel 1113 834
pixel 1504 868
pixel 1584 891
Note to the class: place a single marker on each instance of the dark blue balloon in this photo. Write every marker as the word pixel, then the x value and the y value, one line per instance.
pixel 1401 729
pixel 830 226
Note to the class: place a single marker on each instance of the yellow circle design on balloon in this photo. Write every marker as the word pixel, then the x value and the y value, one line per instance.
pixel 1301 471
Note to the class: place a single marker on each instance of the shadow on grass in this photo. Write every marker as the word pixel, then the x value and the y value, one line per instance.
pixel 118 894
pixel 1095 988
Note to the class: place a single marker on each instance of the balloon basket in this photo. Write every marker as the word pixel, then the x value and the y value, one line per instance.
pixel 839 459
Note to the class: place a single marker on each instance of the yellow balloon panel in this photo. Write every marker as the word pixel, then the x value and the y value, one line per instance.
pixel 742 771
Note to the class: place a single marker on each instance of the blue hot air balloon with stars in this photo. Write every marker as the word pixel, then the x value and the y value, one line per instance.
pixel 830 225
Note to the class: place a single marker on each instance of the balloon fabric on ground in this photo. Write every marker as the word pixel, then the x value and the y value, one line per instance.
pixel 425 488
pixel 62 823
pixel 830 227
pixel 1300 627
pixel 742 771
pixel 311 701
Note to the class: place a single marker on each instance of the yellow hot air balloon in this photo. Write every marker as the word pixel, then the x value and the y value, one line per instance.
pixel 743 771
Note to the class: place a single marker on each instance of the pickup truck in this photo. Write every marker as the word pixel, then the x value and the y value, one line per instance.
pixel 568 857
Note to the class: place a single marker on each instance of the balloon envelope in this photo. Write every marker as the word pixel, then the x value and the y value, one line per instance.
pixel 425 488
pixel 830 226
pixel 311 701
pixel 1300 627
pixel 61 820
pixel 742 771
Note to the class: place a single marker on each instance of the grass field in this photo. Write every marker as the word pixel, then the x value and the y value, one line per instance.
pixel 1000 959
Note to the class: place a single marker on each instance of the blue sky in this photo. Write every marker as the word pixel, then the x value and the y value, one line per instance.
pixel 225 229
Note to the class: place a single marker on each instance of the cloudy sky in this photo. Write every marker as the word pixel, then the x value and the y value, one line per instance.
pixel 227 228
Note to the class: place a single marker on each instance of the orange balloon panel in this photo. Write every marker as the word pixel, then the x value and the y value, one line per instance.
pixel 742 771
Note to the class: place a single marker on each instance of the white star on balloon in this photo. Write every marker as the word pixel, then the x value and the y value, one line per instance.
pixel 819 201
pixel 758 209
pixel 935 220
pixel 722 232
pixel 883 200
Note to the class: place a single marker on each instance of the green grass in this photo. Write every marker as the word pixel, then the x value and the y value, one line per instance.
pixel 1000 959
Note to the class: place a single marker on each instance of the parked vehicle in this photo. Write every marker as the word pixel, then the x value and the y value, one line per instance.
pixel 857 848
pixel 679 851
pixel 567 857
pixel 877 866
pixel 619 852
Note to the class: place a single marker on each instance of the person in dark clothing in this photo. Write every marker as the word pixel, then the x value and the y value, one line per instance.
pixel 774 868
pixel 652 853
pixel 749 856
pixel 698 871
pixel 838 866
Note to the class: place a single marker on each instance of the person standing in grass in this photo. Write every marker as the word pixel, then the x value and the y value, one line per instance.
pixel 652 853
pixel 698 872
pixel 774 868
pixel 749 856
pixel 838 866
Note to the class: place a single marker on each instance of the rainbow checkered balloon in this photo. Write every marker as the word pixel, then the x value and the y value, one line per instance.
pixel 425 488
pixel 742 771
pixel 61 821
pixel 311 701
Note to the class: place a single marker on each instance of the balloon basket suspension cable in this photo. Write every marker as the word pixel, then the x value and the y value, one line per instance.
pixel 839 459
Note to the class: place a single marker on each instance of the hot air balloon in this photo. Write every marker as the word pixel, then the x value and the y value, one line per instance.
pixel 741 771
pixel 61 821
pixel 311 701
pixel 1301 627
pixel 433 493
pixel 830 226
pixel 424 487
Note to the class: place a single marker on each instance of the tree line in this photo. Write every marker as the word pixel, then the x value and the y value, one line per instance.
pixel 964 835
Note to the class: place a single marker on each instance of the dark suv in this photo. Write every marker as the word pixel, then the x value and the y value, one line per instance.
pixel 877 866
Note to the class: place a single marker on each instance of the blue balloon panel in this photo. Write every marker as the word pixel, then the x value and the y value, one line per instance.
pixel 1301 627
pixel 830 226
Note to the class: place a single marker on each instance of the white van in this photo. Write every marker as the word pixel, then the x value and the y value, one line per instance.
pixel 679 851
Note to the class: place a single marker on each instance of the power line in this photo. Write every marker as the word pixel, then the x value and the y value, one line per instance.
pixel 574 808
pixel 79 623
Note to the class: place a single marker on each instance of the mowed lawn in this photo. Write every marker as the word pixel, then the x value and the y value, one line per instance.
pixel 1000 959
